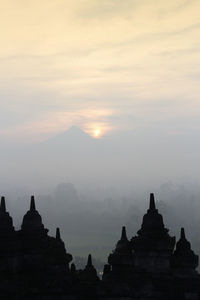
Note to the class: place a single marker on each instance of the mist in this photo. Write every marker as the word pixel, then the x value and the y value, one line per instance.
pixel 127 161
pixel 99 107
pixel 91 187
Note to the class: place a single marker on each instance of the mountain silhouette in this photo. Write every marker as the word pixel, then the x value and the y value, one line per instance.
pixel 74 135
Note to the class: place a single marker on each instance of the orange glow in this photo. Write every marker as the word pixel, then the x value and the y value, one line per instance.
pixel 97 130
pixel 97 133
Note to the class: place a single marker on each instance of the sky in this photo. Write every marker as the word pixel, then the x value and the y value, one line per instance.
pixel 105 66
pixel 103 94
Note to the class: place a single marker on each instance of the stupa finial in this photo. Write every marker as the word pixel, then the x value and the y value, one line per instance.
pixel 3 205
pixel 32 204
pixel 123 236
pixel 152 205
pixel 89 261
pixel 58 233
pixel 182 233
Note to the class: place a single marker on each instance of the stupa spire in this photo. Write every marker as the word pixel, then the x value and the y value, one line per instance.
pixel 123 236
pixel 182 233
pixel 89 261
pixel 32 204
pixel 3 205
pixel 152 205
pixel 58 234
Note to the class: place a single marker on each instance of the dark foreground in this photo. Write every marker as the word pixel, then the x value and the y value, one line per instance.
pixel 151 265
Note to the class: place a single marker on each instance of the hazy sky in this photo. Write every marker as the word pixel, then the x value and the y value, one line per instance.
pixel 103 65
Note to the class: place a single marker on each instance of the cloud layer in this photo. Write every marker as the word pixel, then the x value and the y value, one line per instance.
pixel 115 64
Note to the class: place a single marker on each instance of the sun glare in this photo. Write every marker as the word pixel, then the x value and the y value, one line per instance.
pixel 97 130
pixel 97 133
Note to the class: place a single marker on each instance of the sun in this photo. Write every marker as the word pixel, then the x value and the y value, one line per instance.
pixel 97 130
pixel 97 133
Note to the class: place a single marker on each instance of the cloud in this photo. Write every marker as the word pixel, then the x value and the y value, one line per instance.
pixel 107 9
pixel 112 56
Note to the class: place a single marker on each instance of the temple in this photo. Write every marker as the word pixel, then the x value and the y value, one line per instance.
pixel 150 265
